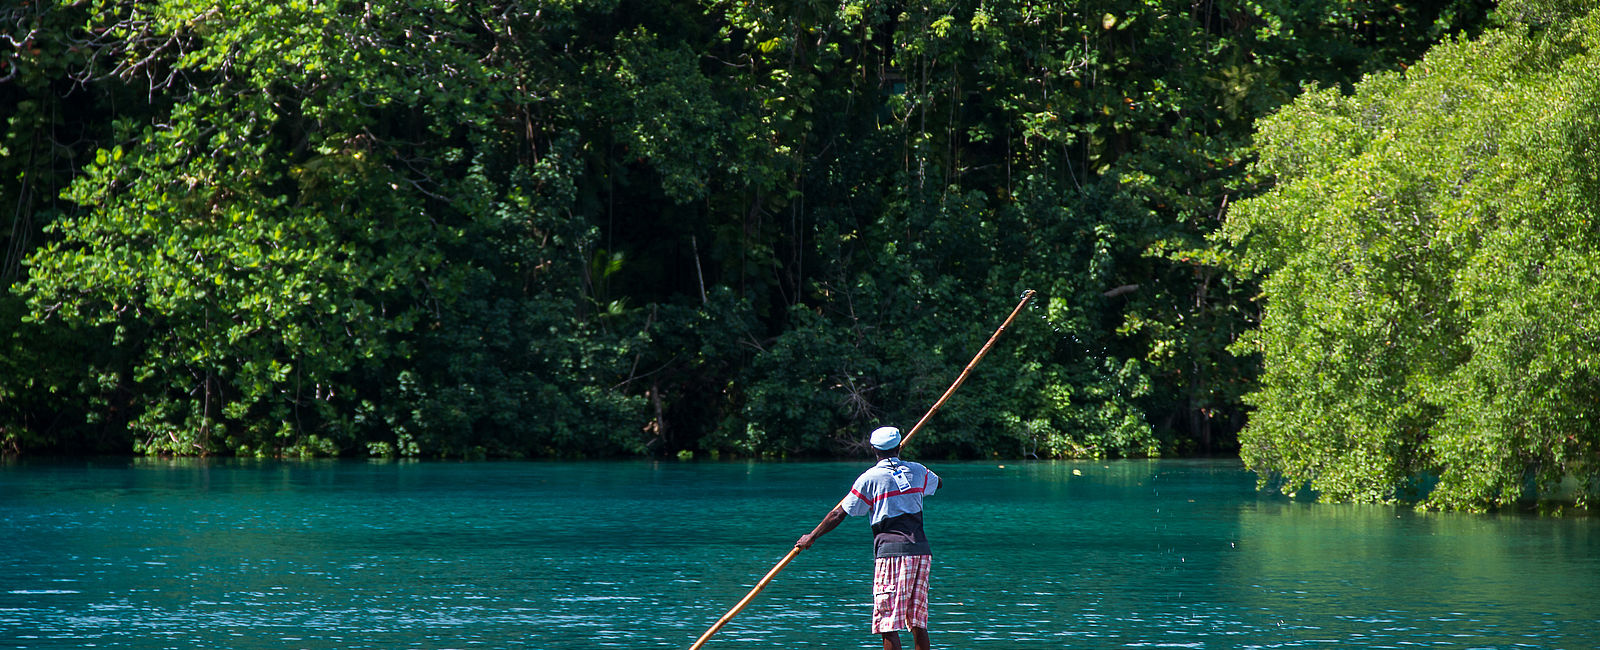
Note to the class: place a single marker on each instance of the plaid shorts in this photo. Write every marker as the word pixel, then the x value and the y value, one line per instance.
pixel 900 593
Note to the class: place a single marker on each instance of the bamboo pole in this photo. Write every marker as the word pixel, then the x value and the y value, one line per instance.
pixel 762 584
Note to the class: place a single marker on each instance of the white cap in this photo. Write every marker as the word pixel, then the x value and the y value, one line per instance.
pixel 885 438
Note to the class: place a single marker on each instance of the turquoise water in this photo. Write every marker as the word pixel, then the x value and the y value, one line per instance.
pixel 1132 554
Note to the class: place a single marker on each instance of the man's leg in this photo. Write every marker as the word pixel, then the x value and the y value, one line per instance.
pixel 917 605
pixel 891 640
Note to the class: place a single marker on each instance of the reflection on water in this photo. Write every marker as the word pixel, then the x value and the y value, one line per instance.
pixel 1377 577
pixel 1175 554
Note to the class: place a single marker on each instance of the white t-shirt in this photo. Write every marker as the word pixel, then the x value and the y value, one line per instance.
pixel 891 493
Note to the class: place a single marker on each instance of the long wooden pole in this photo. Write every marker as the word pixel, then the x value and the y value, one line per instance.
pixel 762 584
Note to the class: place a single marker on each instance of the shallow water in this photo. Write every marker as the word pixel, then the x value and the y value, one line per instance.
pixel 1131 554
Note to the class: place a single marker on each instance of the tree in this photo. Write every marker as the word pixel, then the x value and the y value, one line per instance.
pixel 947 156
pixel 641 226
pixel 323 191
pixel 1429 257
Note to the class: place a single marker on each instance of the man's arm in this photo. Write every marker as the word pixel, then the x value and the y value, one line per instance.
pixel 829 522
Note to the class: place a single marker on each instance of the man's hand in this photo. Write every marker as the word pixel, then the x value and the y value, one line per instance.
pixel 806 541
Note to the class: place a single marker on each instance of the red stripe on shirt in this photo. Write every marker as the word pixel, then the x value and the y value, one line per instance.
pixel 861 496
pixel 885 495
pixel 900 492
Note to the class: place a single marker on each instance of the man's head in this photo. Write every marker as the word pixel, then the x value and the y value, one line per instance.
pixel 885 442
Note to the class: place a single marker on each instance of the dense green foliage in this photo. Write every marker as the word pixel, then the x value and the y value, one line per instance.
pixel 1433 285
pixel 422 227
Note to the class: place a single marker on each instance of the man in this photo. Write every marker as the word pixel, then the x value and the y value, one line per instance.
pixel 891 492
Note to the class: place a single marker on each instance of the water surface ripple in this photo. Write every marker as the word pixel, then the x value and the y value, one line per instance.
pixel 1131 554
